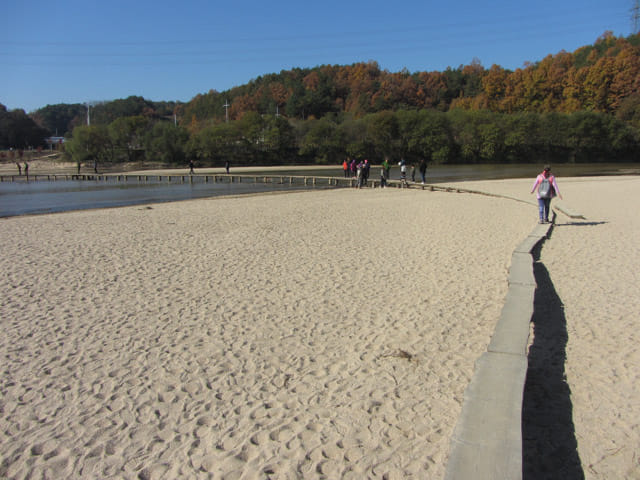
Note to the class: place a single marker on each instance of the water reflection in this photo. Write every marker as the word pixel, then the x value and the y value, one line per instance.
pixel 21 198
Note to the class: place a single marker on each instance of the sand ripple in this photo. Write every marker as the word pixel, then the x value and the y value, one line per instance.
pixel 303 335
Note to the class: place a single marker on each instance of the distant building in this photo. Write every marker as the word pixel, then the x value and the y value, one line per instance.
pixel 53 141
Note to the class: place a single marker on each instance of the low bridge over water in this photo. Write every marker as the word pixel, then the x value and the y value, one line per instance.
pixel 305 180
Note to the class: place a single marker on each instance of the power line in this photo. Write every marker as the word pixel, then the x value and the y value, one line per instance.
pixel 352 51
pixel 158 47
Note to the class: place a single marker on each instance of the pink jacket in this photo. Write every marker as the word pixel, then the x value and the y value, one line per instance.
pixel 538 181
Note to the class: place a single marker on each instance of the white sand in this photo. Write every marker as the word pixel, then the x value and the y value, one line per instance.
pixel 299 335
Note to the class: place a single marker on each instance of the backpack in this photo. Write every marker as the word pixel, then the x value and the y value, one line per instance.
pixel 545 190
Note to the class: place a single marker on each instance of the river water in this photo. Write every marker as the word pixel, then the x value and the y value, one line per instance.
pixel 24 198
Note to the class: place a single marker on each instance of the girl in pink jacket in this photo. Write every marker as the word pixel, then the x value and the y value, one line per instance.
pixel 546 188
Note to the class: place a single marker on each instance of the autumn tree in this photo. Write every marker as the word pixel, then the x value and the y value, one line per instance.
pixel 629 111
pixel 494 86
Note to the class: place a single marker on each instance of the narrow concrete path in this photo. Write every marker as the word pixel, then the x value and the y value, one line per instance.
pixel 487 441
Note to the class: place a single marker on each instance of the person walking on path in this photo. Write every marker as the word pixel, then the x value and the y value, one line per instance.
pixel 227 164
pixel 423 170
pixel 19 169
pixel 191 165
pixel 546 188
pixel 26 170
pixel 345 167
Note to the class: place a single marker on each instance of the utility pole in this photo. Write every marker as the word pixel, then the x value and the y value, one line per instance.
pixel 88 115
pixel 635 16
pixel 226 109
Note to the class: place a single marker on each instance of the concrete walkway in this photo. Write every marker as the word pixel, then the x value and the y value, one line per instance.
pixel 487 441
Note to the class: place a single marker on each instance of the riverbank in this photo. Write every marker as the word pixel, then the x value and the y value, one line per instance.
pixel 315 334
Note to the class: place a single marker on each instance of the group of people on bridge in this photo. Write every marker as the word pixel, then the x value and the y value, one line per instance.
pixel 361 170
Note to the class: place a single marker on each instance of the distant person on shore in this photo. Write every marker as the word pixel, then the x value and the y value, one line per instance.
pixel 366 169
pixel 226 166
pixel 26 169
pixel 423 170
pixel 546 188
pixel 79 165
pixel 385 165
pixel 345 167
pixel 19 169
pixel 383 177
pixel 403 171
pixel 413 172
pixel 353 167
pixel 191 165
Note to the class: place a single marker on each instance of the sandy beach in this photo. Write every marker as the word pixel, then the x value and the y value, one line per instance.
pixel 320 334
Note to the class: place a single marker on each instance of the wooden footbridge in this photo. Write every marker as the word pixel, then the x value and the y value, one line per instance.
pixel 275 179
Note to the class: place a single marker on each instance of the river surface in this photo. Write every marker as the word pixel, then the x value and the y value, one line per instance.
pixel 37 197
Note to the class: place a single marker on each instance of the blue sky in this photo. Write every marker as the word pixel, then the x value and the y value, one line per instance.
pixel 92 50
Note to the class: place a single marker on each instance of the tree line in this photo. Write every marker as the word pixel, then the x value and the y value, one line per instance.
pixel 457 136
pixel 19 131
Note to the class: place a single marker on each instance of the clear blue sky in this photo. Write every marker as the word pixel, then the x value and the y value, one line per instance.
pixel 91 50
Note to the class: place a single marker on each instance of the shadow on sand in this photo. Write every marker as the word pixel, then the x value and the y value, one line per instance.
pixel 579 224
pixel 549 445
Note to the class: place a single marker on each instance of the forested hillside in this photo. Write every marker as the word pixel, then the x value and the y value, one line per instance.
pixel 604 77
pixel 569 107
